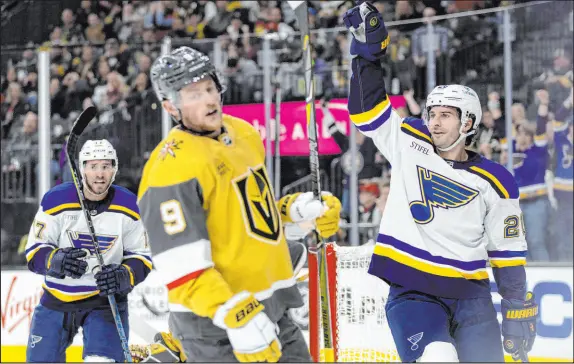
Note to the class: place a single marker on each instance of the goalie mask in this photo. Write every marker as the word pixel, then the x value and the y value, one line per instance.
pixel 98 150
pixel 464 100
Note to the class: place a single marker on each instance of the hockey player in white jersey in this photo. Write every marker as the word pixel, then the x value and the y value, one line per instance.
pixel 75 287
pixel 449 212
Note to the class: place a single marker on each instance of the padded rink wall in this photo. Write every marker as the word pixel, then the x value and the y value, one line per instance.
pixel 21 291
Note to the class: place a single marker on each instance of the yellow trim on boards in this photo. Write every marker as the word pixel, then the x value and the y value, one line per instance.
pixel 17 354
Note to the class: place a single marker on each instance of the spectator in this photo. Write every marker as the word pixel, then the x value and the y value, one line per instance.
pixel 115 90
pixel 30 89
pixel 82 13
pixel 240 72
pixel 412 108
pixel 57 97
pixel 369 163
pixel 194 26
pixel 10 77
pixel 71 32
pixel 143 64
pixel 23 139
pixel 404 10
pixel 73 98
pixel 21 155
pixel 530 164
pixel 369 193
pixel 420 44
pixel 218 24
pixel 112 22
pixel 559 176
pixel 95 31
pixel 13 107
pixel 29 62
pixel 87 68
pixel 558 80
pixel 160 15
pixel 178 28
pixel 384 188
pixel 140 90
pixel 116 57
pixel 487 140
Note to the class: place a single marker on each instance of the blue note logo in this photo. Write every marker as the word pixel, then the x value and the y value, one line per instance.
pixel 415 339
pixel 438 191
pixel 84 241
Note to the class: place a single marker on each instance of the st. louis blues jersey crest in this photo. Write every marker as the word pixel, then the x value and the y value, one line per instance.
pixel 84 241
pixel 438 191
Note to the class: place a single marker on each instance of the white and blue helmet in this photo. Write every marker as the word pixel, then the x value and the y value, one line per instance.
pixel 98 150
pixel 462 98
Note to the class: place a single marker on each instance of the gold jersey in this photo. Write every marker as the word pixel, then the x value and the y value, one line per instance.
pixel 214 227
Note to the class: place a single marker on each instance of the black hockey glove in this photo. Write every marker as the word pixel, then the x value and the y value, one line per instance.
pixel 66 262
pixel 519 326
pixel 114 279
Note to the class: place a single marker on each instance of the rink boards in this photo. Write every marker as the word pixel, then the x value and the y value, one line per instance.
pixel 552 286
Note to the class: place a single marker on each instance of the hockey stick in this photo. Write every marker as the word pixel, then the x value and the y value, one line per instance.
pixel 77 129
pixel 318 247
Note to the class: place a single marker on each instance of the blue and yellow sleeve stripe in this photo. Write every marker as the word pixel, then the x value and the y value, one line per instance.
pixel 374 118
pixel 35 248
pixel 140 266
pixel 507 258
pixel 369 105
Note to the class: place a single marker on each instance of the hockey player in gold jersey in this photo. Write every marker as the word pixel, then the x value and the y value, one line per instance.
pixel 215 229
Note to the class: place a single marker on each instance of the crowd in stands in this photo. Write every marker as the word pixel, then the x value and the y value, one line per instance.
pixel 101 53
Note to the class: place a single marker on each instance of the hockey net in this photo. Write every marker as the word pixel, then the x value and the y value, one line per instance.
pixel 360 332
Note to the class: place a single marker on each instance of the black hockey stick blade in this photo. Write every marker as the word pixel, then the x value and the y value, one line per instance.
pixel 83 120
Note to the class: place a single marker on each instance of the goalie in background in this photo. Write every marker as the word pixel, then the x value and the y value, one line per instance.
pixel 60 248
pixel 215 228
pixel 449 211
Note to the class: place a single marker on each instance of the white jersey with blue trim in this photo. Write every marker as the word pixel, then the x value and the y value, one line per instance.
pixel 444 219
pixel 60 223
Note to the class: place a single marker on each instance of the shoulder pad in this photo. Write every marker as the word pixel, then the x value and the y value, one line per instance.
pixel 58 199
pixel 417 129
pixel 125 202
pixel 499 178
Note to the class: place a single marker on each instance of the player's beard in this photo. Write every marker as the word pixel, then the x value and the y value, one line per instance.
pixel 98 187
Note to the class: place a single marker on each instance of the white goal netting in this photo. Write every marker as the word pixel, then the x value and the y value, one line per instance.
pixel 361 330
